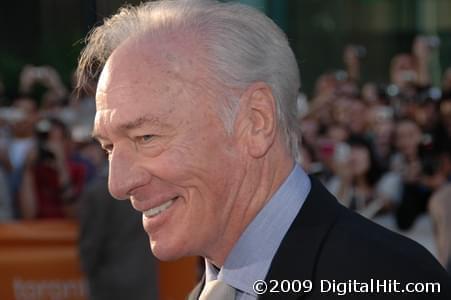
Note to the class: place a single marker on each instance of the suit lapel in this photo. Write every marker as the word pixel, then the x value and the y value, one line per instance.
pixel 298 253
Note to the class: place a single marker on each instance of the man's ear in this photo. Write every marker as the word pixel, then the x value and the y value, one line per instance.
pixel 259 115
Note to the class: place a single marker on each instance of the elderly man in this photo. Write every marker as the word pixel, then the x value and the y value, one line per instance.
pixel 196 108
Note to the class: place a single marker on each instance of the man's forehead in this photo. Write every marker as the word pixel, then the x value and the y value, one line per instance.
pixel 124 65
pixel 134 76
pixel 143 61
pixel 171 51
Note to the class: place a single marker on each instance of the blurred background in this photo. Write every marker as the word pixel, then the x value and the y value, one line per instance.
pixel 49 31
pixel 374 112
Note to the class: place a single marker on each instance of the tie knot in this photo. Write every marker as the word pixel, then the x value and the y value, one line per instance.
pixel 217 290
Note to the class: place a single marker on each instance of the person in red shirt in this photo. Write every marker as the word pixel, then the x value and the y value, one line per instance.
pixel 52 179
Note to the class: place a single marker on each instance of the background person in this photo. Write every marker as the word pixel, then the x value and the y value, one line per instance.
pixel 113 247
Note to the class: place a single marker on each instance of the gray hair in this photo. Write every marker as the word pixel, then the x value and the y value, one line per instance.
pixel 244 46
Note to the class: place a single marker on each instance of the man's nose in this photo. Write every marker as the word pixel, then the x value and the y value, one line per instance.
pixel 125 174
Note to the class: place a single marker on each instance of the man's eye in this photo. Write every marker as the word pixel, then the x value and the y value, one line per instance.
pixel 144 139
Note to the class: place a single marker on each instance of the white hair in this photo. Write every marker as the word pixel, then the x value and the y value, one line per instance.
pixel 243 45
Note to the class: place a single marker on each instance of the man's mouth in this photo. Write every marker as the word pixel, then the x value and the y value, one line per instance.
pixel 150 213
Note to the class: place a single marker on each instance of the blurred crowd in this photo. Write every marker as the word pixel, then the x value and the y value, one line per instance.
pixel 380 147
pixel 47 155
pixel 51 168
pixel 384 148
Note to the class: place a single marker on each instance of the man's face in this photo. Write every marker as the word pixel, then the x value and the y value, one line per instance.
pixel 168 149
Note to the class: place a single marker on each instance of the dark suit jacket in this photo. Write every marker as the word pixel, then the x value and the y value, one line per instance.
pixel 329 242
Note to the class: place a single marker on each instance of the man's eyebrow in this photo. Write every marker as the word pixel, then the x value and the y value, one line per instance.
pixel 140 121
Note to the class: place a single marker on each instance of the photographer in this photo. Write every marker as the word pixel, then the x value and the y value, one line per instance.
pixel 52 180
pixel 357 175
pixel 421 172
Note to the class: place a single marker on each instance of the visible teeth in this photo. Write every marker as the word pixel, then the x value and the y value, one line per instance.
pixel 159 209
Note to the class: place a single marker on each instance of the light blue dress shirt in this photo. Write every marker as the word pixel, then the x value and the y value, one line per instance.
pixel 252 255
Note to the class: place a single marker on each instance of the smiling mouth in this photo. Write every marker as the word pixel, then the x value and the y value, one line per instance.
pixel 153 212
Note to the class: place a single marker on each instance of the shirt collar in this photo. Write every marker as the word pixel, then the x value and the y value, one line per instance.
pixel 250 258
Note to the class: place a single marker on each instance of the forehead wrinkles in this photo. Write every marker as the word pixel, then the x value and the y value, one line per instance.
pixel 164 70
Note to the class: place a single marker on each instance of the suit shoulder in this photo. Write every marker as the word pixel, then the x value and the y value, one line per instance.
pixel 363 246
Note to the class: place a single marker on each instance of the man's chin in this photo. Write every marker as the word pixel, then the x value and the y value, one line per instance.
pixel 165 253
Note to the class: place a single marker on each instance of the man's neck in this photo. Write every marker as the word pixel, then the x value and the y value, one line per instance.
pixel 261 180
